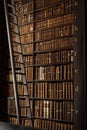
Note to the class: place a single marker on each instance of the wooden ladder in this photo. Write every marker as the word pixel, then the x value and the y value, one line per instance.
pixel 16 58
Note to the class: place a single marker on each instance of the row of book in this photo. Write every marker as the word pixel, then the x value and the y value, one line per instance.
pixel 59 7
pixel 49 45
pixel 57 110
pixel 56 44
pixel 49 125
pixel 52 125
pixel 53 11
pixel 49 34
pixel 26 27
pixel 51 20
pixel 55 57
pixel 57 31
pixel 62 5
pixel 44 90
pixel 24 122
pixel 61 72
pixel 28 72
pixel 62 90
pixel 63 110
pixel 49 58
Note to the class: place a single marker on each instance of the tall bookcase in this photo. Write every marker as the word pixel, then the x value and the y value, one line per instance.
pixel 53 42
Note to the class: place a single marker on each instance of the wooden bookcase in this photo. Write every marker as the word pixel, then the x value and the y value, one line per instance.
pixel 52 37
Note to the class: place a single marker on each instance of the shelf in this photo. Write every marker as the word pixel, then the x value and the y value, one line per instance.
pixel 59 121
pixel 58 38
pixel 48 81
pixel 52 99
pixel 51 81
pixel 49 64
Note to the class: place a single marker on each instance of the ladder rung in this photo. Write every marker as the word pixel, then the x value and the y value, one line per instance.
pixel 10 114
pixel 20 53
pixel 20 73
pixel 9 5
pixel 11 98
pixel 17 68
pixel 25 107
pixel 19 62
pixel 13 15
pixel 13 23
pixel 15 33
pixel 16 42
pixel 24 83
pixel 23 97
pixel 26 117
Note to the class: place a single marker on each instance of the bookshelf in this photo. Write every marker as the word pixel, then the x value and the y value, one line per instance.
pixel 46 32
pixel 53 54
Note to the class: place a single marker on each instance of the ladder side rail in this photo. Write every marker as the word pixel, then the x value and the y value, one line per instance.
pixel 12 61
